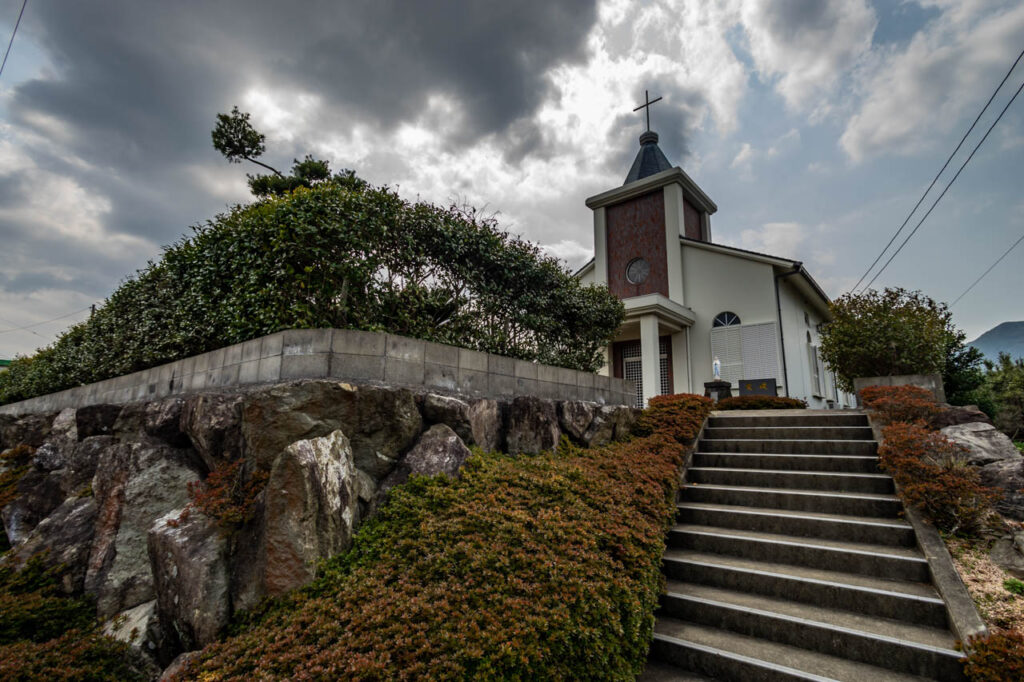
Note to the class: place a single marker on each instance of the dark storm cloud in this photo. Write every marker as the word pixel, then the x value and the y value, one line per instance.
pixel 134 87
pixel 673 118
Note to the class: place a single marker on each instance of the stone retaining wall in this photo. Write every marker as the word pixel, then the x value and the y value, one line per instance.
pixel 363 357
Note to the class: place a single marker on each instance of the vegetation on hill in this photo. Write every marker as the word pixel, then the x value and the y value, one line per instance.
pixel 1007 337
pixel 542 567
pixel 337 254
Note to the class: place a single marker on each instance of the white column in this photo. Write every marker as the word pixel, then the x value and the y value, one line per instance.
pixel 673 249
pixel 649 356
pixel 600 247
pixel 680 364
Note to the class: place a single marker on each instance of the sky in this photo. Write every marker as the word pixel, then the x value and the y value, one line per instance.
pixel 815 126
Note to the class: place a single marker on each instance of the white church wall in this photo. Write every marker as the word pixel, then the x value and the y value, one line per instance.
pixel 717 282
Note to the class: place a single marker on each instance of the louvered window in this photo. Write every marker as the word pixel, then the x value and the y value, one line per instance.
pixel 748 351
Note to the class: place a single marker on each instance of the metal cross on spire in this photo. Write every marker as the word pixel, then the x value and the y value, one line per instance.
pixel 647 105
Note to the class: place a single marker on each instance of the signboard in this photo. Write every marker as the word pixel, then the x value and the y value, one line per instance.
pixel 758 387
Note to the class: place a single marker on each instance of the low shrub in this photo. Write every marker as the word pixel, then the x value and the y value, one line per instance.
pixel 996 658
pixel 933 476
pixel 75 656
pixel 760 402
pixel 530 567
pixel 1014 585
pixel 900 403
pixel 228 494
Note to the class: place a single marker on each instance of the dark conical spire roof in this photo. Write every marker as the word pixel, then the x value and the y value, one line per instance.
pixel 649 160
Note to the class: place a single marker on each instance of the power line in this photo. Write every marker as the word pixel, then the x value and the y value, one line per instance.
pixel 941 171
pixel 990 268
pixel 948 185
pixel 13 33
pixel 28 327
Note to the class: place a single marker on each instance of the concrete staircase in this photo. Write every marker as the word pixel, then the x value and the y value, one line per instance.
pixel 789 561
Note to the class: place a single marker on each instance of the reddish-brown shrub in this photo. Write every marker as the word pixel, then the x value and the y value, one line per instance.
pixel 934 477
pixel 900 403
pixel 760 402
pixel 228 494
pixel 75 656
pixel 996 658
pixel 542 567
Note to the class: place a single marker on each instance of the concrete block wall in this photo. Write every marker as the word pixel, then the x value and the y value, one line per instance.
pixel 344 354
pixel 930 382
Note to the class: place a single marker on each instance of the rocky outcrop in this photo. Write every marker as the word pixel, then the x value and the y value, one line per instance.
pixel 105 488
pixel 310 511
pixel 951 415
pixel 985 443
pixel 1008 553
pixel 1008 477
pixel 189 559
pixel 532 425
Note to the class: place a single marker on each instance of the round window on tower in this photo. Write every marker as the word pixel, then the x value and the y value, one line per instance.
pixel 637 271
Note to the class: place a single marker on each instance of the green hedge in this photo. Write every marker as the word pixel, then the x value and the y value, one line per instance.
pixel 760 402
pixel 543 567
pixel 333 256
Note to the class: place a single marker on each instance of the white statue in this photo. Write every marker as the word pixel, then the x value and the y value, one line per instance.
pixel 717 368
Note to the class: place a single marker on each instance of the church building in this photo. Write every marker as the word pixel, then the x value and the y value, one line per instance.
pixel 689 300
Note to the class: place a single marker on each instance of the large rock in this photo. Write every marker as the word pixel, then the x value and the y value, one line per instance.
pixel 38 493
pixel 29 429
pixel 986 443
pixel 532 425
pixel 1008 553
pixel 96 420
pixel 442 409
pixel 438 451
pixel 213 423
pixel 63 538
pixel 311 507
pixel 1008 476
pixel 951 415
pixel 575 417
pixel 139 627
pixel 611 422
pixel 135 484
pixel 190 569
pixel 486 424
pixel 381 423
pixel 163 422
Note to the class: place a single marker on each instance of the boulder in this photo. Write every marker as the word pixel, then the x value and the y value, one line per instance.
pixel 135 484
pixel 37 494
pixel 178 666
pixel 96 420
pixel 442 409
pixel 190 571
pixel 1008 554
pixel 532 425
pixel 139 627
pixel 311 507
pixel 64 536
pixel 1008 476
pixel 213 423
pixel 381 422
pixel 986 443
pixel 80 465
pixel 438 451
pixel 951 415
pixel 163 422
pixel 611 422
pixel 485 421
pixel 30 429
pixel 575 417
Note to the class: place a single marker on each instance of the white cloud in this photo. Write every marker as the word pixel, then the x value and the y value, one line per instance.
pixel 914 98
pixel 784 240
pixel 807 45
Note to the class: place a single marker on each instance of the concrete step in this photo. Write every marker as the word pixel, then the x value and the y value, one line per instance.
pixel 885 643
pixel 656 671
pixel 912 602
pixel 898 563
pixel 749 460
pixel 879 484
pixel 725 419
pixel 790 432
pixel 853 504
pixel 727 655
pixel 877 531
pixel 865 448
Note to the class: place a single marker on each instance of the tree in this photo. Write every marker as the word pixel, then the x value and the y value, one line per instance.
pixel 236 138
pixel 1005 383
pixel 963 374
pixel 896 332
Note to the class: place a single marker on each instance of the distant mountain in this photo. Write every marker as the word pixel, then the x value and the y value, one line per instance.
pixel 1007 337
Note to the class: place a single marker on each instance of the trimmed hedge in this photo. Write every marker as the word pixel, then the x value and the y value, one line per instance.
pixel 760 402
pixel 542 567
pixel 900 403
pixel 333 256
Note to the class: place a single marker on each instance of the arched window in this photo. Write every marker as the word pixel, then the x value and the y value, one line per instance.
pixel 726 319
